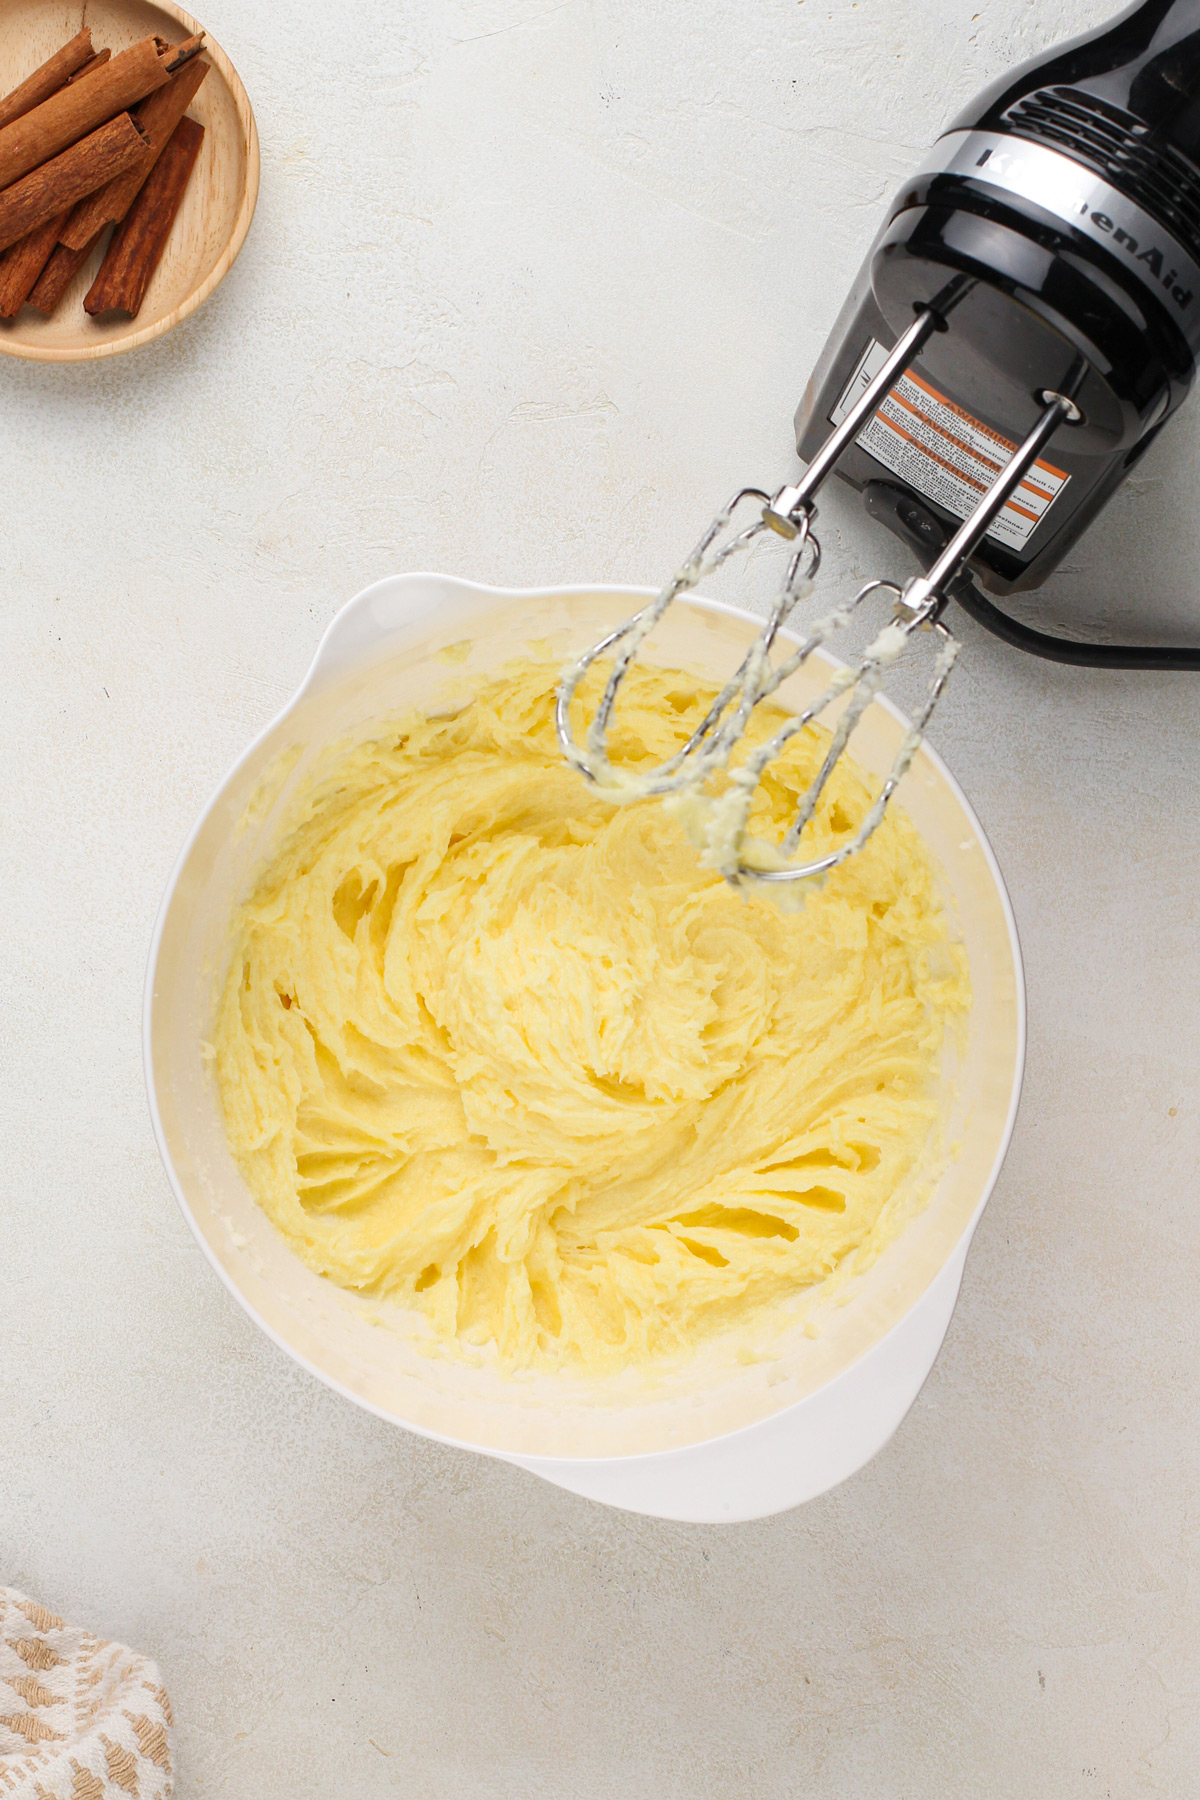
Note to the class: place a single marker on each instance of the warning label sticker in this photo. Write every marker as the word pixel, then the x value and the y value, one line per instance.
pixel 944 453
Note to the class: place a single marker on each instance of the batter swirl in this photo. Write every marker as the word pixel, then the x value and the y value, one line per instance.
pixel 504 1053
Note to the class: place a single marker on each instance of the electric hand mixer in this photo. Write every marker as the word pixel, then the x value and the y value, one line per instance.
pixel 1037 279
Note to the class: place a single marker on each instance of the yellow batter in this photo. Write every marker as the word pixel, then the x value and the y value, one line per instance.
pixel 504 1053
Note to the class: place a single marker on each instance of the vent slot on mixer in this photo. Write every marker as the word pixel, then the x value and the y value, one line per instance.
pixel 1121 149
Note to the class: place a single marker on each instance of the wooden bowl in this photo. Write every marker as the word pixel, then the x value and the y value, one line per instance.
pixel 211 225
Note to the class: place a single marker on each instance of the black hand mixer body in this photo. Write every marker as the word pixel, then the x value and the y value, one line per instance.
pixel 1055 231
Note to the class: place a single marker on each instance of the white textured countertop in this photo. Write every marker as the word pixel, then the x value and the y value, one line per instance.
pixel 530 288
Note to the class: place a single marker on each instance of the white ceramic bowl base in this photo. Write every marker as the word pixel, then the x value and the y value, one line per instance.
pixel 708 1442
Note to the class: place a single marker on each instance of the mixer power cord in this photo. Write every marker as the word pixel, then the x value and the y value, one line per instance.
pixel 1067 650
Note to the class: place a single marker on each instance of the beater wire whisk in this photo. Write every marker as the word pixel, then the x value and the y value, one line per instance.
pixel 917 606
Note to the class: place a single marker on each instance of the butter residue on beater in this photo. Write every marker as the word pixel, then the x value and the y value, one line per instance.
pixel 505 1054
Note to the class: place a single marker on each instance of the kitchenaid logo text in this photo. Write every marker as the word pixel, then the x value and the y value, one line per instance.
pixel 1153 259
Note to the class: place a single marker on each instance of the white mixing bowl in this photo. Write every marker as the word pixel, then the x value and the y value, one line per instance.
pixel 706 1442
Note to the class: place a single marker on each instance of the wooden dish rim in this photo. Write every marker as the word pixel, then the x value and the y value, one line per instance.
pixel 57 353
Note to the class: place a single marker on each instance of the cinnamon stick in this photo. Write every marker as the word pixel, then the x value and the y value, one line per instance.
pixel 58 184
pixel 47 80
pixel 57 277
pixel 78 109
pixel 93 62
pixel 158 116
pixel 184 52
pixel 138 243
pixel 23 262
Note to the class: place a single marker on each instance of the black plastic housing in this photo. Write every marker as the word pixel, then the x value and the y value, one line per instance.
pixel 1044 304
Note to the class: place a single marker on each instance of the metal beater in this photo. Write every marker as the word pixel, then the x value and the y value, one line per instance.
pixel 918 606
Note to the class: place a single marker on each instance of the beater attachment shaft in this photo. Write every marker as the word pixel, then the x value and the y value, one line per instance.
pixel 791 513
